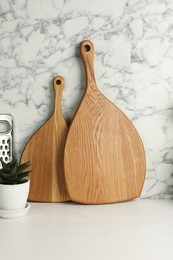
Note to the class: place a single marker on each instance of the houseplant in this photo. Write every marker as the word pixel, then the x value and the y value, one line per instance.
pixel 14 186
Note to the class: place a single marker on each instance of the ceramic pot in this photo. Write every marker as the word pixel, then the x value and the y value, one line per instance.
pixel 14 197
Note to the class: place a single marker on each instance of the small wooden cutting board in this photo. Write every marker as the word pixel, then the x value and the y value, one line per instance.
pixel 45 150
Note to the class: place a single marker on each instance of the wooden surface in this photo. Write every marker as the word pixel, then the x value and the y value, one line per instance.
pixel 104 155
pixel 45 150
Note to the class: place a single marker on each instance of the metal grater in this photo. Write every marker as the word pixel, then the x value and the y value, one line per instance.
pixel 6 139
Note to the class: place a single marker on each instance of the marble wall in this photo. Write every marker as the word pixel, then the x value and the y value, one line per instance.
pixel 133 65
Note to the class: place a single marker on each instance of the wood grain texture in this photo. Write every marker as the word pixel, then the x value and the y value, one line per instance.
pixel 104 157
pixel 45 150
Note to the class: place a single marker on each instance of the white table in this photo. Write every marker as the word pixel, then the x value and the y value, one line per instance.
pixel 138 230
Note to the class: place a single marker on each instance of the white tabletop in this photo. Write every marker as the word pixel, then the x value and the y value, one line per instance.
pixel 138 230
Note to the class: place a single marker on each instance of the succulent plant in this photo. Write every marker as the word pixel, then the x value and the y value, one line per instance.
pixel 13 172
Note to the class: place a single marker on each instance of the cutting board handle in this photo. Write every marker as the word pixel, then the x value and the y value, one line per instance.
pixel 87 53
pixel 58 84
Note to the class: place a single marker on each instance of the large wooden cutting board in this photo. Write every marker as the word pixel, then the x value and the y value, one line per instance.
pixel 45 150
pixel 104 156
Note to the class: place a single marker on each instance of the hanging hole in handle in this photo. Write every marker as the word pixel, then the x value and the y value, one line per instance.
pixel 58 82
pixel 4 127
pixel 87 48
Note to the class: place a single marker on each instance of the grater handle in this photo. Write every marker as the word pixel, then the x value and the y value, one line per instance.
pixel 7 118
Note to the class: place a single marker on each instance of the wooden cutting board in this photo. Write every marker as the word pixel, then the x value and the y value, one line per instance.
pixel 45 150
pixel 104 158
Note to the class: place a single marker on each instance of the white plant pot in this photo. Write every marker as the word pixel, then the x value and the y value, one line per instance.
pixel 14 197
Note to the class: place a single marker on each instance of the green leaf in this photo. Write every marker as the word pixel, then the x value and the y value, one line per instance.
pixel 14 170
pixel 13 164
pixel 5 175
pixel 10 172
pixel 8 177
pixel 22 175
pixel 23 166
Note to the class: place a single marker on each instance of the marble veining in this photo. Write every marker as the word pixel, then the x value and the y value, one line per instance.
pixel 133 67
